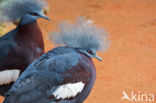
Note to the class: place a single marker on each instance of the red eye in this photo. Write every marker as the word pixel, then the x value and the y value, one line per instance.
pixel 90 52
pixel 34 14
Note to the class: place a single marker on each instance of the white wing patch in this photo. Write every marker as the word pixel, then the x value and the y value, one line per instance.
pixel 8 76
pixel 68 90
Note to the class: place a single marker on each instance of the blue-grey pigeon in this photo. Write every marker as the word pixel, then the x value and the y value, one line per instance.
pixel 66 74
pixel 24 44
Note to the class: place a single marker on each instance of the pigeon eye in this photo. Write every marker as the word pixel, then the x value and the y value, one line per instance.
pixel 34 14
pixel 90 52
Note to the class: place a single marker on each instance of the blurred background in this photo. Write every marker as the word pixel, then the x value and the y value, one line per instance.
pixel 129 64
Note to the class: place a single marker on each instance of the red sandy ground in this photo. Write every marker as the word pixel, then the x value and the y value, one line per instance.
pixel 129 64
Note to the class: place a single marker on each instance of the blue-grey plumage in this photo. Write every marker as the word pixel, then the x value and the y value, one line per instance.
pixel 60 66
pixel 63 75
pixel 11 10
pixel 21 46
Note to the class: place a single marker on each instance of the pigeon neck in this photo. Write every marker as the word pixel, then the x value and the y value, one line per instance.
pixel 85 56
pixel 30 33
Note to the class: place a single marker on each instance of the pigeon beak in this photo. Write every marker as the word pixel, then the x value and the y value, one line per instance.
pixel 44 17
pixel 97 57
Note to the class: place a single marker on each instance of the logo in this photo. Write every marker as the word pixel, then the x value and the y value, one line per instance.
pixel 140 97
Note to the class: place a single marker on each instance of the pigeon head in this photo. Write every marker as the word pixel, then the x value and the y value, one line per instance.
pixel 32 16
pixel 82 36
pixel 26 10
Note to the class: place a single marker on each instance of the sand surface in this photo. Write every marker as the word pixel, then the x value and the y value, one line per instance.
pixel 129 64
